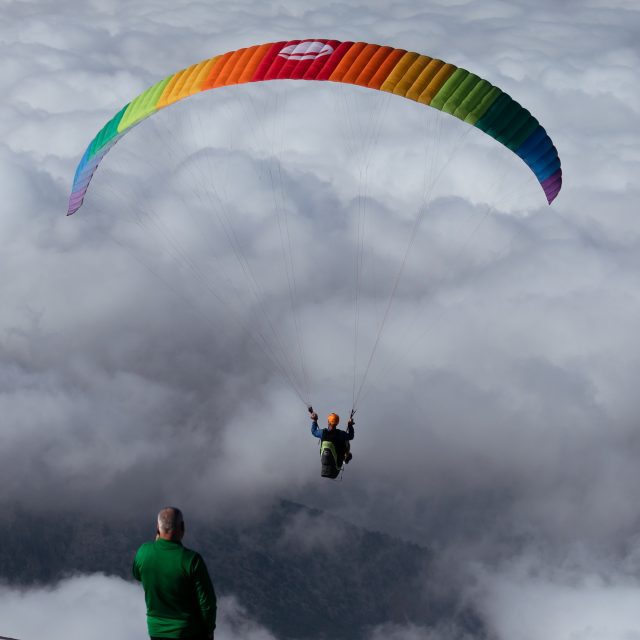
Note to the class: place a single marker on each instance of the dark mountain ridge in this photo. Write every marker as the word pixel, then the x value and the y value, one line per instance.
pixel 300 572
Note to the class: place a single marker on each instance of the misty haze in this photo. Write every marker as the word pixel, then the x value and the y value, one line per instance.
pixel 254 253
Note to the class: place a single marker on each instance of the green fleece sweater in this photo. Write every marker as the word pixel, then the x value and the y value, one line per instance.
pixel 181 601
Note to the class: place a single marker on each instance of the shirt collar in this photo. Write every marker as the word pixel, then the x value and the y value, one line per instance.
pixel 168 543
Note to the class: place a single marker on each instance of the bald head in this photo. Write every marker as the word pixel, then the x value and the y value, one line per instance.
pixel 170 523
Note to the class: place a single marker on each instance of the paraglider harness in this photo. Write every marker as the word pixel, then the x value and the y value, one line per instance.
pixel 332 462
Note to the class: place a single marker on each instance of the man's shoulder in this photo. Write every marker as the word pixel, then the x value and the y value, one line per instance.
pixel 145 548
pixel 190 552
pixel 190 556
pixel 193 560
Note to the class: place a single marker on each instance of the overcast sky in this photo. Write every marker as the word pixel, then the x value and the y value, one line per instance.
pixel 498 423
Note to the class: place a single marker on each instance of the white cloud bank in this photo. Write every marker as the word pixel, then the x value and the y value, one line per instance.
pixel 513 423
pixel 524 603
pixel 92 607
pixel 98 607
pixel 519 604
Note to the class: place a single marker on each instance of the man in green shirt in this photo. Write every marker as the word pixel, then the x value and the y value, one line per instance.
pixel 181 600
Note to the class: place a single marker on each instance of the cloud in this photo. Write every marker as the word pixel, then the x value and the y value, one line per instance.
pixel 96 607
pixel 234 623
pixel 78 607
pixel 500 410
pixel 530 602
pixel 415 632
pixel 312 533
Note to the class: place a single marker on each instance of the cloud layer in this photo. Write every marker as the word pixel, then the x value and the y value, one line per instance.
pixel 98 606
pixel 499 416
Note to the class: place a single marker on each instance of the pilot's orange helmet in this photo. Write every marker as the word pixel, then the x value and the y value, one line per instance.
pixel 333 419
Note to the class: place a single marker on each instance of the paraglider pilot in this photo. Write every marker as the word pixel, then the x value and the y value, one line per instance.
pixel 335 448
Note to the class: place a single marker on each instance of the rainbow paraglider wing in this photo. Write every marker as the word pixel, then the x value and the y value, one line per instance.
pixel 418 77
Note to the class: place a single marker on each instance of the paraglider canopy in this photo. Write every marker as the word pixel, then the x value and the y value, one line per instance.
pixel 427 81
pixel 418 77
